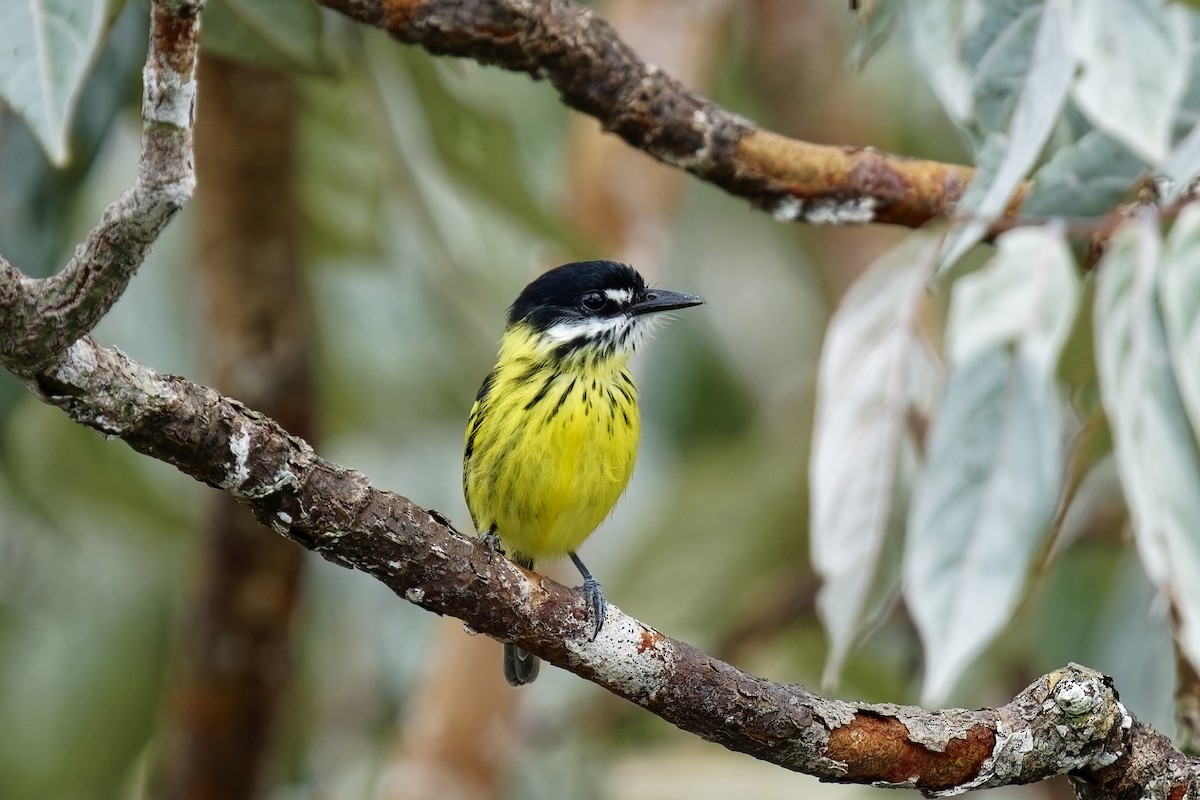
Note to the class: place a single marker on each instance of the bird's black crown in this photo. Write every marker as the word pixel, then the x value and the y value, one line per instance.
pixel 573 291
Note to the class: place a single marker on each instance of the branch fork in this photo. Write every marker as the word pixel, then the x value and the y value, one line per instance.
pixel 40 318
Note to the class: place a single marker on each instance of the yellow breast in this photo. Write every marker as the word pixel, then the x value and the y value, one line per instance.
pixel 550 448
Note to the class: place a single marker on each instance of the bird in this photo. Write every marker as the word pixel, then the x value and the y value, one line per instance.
pixel 552 436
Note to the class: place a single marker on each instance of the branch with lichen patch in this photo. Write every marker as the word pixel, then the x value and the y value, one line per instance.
pixel 39 318
pixel 1070 721
pixel 595 72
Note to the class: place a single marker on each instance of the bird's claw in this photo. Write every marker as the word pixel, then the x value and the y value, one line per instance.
pixel 596 603
pixel 491 543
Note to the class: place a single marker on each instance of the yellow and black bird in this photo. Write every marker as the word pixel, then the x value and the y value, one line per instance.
pixel 553 433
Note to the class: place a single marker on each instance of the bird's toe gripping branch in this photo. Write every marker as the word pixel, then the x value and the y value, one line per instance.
pixel 491 542
pixel 593 594
pixel 596 602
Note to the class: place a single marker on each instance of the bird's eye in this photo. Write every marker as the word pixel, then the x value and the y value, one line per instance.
pixel 593 301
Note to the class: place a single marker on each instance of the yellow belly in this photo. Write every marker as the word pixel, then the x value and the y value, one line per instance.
pixel 547 458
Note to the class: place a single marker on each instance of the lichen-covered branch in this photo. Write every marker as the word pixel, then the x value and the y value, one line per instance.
pixel 1069 721
pixel 595 72
pixel 39 318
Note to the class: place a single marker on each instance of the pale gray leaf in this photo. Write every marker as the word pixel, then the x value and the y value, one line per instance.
pixel 935 31
pixel 987 496
pixel 873 373
pixel 1179 294
pixel 1156 452
pixel 1135 60
pixel 981 509
pixel 973 54
pixel 1000 73
pixel 1043 92
pixel 1026 297
pixel 1182 165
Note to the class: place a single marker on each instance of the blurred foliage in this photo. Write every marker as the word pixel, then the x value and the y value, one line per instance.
pixel 269 33
pixel 432 190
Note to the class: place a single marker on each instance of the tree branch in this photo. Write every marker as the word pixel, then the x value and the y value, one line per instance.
pixel 39 318
pixel 1070 721
pixel 595 72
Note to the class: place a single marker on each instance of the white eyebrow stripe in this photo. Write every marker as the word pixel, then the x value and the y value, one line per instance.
pixel 619 296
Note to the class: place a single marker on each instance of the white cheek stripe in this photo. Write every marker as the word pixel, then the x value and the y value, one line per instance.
pixel 569 330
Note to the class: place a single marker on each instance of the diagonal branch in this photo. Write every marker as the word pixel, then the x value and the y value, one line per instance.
pixel 595 72
pixel 39 318
pixel 1068 721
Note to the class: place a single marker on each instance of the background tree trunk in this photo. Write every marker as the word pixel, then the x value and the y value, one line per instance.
pixel 236 650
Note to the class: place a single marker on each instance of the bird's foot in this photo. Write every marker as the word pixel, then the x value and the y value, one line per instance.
pixel 594 595
pixel 595 602
pixel 491 543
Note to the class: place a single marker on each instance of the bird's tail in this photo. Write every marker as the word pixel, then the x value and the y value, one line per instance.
pixel 520 667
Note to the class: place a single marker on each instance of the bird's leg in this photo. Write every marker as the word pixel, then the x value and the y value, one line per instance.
pixel 593 593
pixel 491 541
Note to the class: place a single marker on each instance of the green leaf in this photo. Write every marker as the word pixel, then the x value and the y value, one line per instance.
pixel 1046 82
pixel 874 373
pixel 46 48
pixel 1155 448
pixel 1135 59
pixel 981 509
pixel 272 33
pixel 1087 177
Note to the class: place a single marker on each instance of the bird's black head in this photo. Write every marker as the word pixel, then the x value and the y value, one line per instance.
pixel 586 290
pixel 580 289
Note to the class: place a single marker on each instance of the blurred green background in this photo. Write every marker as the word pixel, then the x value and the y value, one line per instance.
pixel 432 191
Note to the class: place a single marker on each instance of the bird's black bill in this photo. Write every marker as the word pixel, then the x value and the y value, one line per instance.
pixel 663 300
